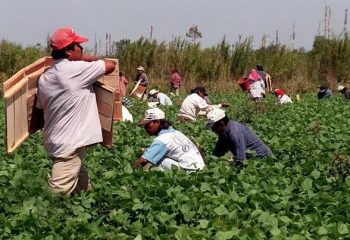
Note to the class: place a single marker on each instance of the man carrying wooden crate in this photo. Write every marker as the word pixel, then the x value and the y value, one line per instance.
pixel 66 94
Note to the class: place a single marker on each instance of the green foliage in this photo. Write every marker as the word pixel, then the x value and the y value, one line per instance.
pixel 301 193
pixel 214 67
pixel 13 57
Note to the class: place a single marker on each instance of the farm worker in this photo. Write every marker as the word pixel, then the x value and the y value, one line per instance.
pixel 160 97
pixel 122 84
pixel 282 97
pixel 194 103
pixel 176 81
pixel 143 79
pixel 342 89
pixel 170 147
pixel 67 97
pixel 264 76
pixel 324 92
pixel 234 137
pixel 257 86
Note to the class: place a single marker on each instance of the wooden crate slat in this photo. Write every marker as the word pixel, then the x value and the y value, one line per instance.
pixel 37 65
pixel 107 138
pixel 17 124
pixel 24 112
pixel 118 114
pixel 13 80
pixel 104 108
pixel 10 121
pixel 100 95
pixel 106 122
pixel 33 78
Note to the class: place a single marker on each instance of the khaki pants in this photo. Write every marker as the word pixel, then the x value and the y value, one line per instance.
pixel 68 174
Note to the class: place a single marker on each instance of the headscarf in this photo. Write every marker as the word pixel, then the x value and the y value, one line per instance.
pixel 279 92
pixel 254 75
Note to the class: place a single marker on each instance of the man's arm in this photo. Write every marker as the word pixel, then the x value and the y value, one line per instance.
pixel 109 64
pixel 221 148
pixel 153 154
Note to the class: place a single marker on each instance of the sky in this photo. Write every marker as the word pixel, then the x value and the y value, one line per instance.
pixel 29 22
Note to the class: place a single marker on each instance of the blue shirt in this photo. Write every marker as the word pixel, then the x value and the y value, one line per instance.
pixel 174 145
pixel 158 149
pixel 238 139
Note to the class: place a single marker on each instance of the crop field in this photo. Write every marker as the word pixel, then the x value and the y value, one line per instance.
pixel 302 193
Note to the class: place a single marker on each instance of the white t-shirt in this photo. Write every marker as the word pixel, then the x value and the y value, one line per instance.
pixel 67 96
pixel 173 144
pixel 257 89
pixel 192 105
pixel 164 99
pixel 284 99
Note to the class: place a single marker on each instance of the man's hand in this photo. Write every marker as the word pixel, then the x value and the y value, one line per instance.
pixel 140 163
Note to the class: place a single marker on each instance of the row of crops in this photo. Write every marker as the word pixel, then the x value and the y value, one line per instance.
pixel 301 194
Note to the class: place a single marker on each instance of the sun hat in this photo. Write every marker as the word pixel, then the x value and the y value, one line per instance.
pixel 214 116
pixel 153 91
pixel 140 68
pixel 152 114
pixel 341 87
pixel 199 89
pixel 62 37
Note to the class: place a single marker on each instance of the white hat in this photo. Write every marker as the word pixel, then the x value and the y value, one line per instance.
pixel 152 114
pixel 215 115
pixel 140 68
pixel 341 87
pixel 153 91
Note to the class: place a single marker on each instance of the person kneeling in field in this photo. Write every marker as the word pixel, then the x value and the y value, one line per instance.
pixel 159 98
pixel 282 97
pixel 344 90
pixel 170 147
pixel 193 104
pixel 235 137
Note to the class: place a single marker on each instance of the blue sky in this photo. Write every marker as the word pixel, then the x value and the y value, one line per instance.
pixel 30 21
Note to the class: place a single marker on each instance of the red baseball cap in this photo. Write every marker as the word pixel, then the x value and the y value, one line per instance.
pixel 62 37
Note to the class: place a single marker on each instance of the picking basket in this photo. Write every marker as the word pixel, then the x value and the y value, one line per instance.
pixel 244 83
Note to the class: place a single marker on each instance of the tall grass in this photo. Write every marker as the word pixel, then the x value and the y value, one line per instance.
pixel 217 67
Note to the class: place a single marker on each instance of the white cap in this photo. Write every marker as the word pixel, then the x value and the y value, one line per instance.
pixel 153 91
pixel 140 68
pixel 152 114
pixel 215 115
pixel 341 87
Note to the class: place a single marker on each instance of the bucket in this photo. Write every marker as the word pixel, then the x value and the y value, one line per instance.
pixel 244 83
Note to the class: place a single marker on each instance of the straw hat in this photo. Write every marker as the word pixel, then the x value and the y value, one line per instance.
pixel 341 87
pixel 140 68
pixel 153 91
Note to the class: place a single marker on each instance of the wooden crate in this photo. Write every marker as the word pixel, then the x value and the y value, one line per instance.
pixel 23 119
pixel 112 80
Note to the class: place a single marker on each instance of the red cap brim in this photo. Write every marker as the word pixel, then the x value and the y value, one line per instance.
pixel 81 39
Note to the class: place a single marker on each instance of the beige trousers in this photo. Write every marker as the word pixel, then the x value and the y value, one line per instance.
pixel 68 175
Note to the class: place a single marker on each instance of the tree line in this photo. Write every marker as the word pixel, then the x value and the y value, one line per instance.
pixel 217 67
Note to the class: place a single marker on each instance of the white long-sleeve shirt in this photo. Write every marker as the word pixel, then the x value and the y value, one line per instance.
pixel 192 105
